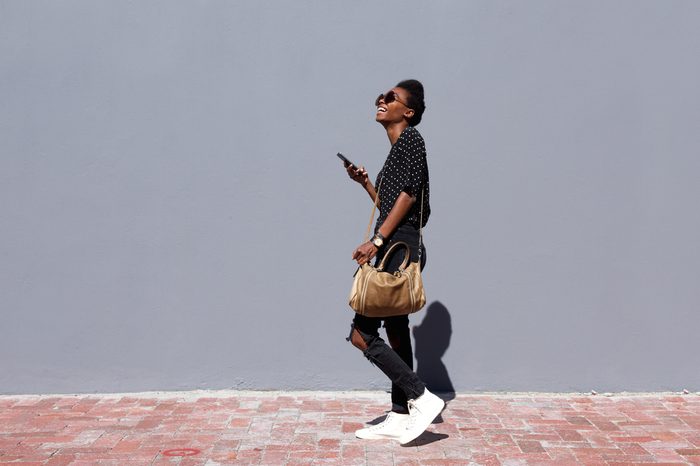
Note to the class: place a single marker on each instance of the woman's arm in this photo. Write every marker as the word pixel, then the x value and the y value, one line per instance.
pixel 360 175
pixel 365 252
pixel 401 207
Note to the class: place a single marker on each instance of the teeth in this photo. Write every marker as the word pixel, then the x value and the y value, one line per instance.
pixel 380 109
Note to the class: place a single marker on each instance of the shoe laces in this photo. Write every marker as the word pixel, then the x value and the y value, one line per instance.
pixel 381 424
pixel 414 413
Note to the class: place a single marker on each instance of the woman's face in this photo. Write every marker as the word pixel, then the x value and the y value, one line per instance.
pixel 392 106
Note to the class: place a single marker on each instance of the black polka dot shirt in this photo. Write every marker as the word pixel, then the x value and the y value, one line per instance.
pixel 405 169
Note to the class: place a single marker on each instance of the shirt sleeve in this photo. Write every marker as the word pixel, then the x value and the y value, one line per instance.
pixel 410 164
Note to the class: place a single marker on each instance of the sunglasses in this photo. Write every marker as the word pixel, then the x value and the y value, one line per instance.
pixel 388 98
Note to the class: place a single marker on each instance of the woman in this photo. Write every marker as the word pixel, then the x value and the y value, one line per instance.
pixel 403 203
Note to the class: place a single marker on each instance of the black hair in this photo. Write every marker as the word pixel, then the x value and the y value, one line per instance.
pixel 415 99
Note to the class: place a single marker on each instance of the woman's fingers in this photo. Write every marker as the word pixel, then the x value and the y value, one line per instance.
pixel 359 256
pixel 363 253
pixel 357 174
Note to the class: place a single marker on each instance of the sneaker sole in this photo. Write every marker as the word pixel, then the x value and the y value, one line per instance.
pixel 377 437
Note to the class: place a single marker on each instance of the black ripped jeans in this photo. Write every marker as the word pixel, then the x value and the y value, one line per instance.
pixel 395 361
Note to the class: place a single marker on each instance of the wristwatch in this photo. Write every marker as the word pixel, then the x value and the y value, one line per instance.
pixel 378 240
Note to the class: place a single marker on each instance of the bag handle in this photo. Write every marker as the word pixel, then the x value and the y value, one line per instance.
pixel 406 257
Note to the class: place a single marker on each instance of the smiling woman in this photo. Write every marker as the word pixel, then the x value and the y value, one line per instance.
pixel 401 180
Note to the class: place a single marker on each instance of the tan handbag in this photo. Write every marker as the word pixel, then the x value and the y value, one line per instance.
pixel 376 293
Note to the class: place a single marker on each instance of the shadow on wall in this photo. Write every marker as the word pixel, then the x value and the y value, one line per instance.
pixel 432 338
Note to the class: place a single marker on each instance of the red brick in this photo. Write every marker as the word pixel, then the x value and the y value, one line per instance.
pixel 59 460
pixel 688 451
pixel 351 426
pixel 328 443
pixel 578 420
pixel 530 446
pixel 570 435
pixel 638 439
pixel 127 446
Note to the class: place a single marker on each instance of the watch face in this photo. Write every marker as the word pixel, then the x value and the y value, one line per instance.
pixel 377 242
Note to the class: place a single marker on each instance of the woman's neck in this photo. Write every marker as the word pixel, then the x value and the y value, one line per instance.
pixel 394 130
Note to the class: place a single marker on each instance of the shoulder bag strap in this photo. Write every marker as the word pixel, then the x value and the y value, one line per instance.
pixel 374 208
pixel 420 227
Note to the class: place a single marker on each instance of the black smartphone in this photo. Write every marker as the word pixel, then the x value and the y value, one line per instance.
pixel 345 160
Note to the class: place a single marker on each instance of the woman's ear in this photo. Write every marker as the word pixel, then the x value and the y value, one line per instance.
pixel 408 114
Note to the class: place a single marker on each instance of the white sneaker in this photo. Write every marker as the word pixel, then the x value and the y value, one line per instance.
pixel 391 428
pixel 423 410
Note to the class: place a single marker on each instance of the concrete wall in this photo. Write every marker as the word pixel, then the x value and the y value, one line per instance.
pixel 174 217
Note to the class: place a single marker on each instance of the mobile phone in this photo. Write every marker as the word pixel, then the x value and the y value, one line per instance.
pixel 345 160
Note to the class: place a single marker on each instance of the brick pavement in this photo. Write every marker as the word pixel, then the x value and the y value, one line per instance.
pixel 300 428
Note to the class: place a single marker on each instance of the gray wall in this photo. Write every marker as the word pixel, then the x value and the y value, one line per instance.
pixel 174 217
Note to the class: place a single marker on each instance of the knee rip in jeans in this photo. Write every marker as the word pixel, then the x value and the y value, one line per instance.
pixel 353 338
pixel 369 341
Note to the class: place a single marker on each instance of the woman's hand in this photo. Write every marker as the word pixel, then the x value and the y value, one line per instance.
pixel 358 174
pixel 364 253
